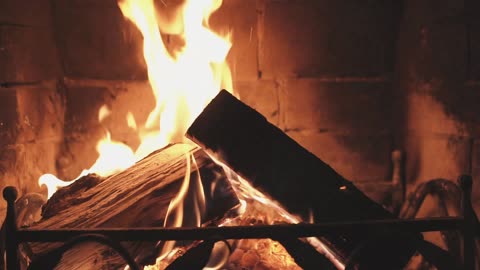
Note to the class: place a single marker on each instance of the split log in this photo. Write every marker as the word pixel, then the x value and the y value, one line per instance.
pixel 137 197
pixel 274 163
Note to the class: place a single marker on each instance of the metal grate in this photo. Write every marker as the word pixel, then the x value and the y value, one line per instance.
pixel 466 225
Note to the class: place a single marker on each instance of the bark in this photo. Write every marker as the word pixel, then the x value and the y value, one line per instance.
pixel 263 154
pixel 137 197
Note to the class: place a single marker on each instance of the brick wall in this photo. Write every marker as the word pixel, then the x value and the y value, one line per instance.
pixel 328 66
pixel 31 110
pixel 438 78
pixel 349 80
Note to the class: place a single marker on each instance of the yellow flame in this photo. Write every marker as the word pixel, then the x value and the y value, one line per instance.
pixel 103 113
pixel 185 80
pixel 131 121
pixel 114 157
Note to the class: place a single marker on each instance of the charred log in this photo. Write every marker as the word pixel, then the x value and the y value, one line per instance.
pixel 137 197
pixel 260 152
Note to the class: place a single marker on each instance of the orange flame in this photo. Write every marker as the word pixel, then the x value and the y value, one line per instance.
pixel 114 157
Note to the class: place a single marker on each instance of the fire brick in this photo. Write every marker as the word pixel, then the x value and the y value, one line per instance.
pixel 31 128
pixel 82 127
pixel 83 104
pixel 359 158
pixel 8 116
pixel 327 37
pixel 20 61
pixel 436 155
pixel 262 95
pixel 433 51
pixel 387 193
pixel 22 164
pixel 320 105
pixel 95 41
pixel 428 115
pixel 442 108
pixel 85 98
pixel 239 17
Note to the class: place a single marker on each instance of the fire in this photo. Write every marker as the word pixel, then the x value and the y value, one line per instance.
pixel 264 210
pixel 121 155
pixel 183 79
pixel 183 82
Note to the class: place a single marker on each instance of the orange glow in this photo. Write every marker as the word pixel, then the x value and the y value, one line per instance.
pixel 52 183
pixel 188 207
pixel 183 80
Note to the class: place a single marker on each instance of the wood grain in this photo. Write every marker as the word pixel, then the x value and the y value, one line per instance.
pixel 136 197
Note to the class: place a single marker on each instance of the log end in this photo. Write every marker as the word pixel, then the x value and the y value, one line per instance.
pixel 70 195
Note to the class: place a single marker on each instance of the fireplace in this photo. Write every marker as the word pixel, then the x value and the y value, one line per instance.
pixel 351 82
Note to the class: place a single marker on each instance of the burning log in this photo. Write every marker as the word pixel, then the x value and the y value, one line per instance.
pixel 137 197
pixel 273 162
